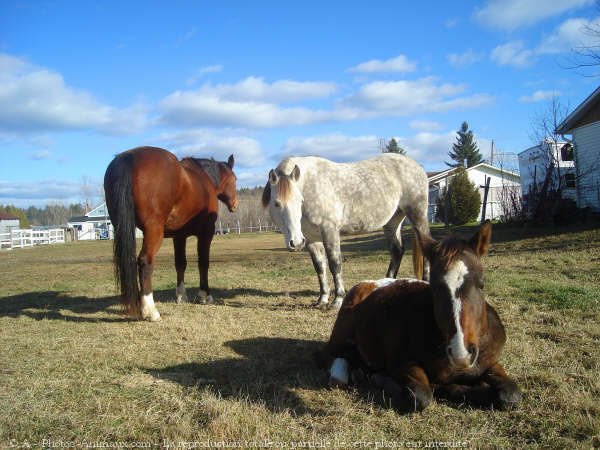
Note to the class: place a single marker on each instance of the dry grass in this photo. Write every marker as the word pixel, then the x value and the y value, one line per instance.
pixel 73 369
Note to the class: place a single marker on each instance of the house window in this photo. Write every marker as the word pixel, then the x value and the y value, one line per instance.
pixel 570 180
pixel 566 152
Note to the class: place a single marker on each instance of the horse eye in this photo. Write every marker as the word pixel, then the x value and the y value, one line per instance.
pixel 277 205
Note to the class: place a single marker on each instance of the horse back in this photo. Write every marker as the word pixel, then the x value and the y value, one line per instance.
pixel 377 318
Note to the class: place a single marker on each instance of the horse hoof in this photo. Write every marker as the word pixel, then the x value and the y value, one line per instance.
pixel 508 398
pixel 151 316
pixel 322 302
pixel 336 305
pixel 182 299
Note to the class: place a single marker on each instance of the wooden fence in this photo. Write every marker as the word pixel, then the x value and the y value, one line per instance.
pixel 28 238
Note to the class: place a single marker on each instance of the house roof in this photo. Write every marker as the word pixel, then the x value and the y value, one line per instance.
pixel 81 219
pixel 6 216
pixel 578 113
pixel 436 176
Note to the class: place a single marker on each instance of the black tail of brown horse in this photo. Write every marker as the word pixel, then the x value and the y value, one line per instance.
pixel 121 209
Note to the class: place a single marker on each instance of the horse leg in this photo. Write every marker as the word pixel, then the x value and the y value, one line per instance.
pixel 409 389
pixel 419 220
pixel 319 260
pixel 153 237
pixel 331 242
pixel 179 243
pixel 495 388
pixel 204 242
pixel 393 234
pixel 507 393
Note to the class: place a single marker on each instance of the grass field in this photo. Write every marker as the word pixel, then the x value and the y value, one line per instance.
pixel 75 372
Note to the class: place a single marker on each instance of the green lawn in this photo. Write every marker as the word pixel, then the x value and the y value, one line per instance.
pixel 74 370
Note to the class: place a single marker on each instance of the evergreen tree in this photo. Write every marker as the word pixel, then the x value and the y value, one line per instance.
pixel 465 152
pixel 464 202
pixel 393 147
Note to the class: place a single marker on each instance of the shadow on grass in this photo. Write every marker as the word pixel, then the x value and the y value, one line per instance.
pixel 52 305
pixel 267 374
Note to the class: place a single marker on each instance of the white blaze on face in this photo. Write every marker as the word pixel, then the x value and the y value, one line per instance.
pixel 288 216
pixel 454 279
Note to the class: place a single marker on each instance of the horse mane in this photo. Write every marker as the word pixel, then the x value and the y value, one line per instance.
pixel 284 190
pixel 450 248
pixel 210 167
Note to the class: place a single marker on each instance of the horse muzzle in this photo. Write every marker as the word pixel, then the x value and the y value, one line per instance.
pixel 294 246
pixel 466 362
pixel 233 207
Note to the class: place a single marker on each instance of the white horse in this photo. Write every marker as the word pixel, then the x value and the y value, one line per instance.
pixel 313 199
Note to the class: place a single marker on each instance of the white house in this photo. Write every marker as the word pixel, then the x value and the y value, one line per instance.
pixel 8 222
pixel 583 124
pixel 535 162
pixel 94 225
pixel 503 185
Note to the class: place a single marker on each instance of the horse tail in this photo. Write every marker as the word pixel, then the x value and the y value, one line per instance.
pixel 120 204
pixel 417 257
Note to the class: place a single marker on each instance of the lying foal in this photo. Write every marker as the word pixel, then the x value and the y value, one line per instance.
pixel 417 339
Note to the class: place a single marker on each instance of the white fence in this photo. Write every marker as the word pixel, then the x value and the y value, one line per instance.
pixel 237 228
pixel 28 238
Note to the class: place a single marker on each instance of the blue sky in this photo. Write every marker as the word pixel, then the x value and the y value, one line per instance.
pixel 81 81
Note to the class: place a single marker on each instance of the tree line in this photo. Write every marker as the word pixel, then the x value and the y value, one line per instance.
pixel 49 215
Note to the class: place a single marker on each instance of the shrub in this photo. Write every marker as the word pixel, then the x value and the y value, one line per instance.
pixel 464 201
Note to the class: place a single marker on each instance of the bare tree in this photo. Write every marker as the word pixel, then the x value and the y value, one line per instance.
pixel 548 182
pixel 587 56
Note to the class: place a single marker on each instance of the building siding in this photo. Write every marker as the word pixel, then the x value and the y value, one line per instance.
pixel 587 151
pixel 500 185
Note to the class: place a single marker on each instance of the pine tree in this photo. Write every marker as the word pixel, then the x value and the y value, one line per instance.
pixel 464 202
pixel 393 147
pixel 465 152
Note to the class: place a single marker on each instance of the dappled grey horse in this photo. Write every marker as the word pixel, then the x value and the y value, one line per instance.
pixel 313 199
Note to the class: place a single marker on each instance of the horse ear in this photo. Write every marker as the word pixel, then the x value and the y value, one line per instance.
pixel 480 242
pixel 230 161
pixel 266 195
pixel 296 173
pixel 273 177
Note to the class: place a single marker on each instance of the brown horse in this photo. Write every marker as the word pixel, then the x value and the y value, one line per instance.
pixel 415 339
pixel 149 188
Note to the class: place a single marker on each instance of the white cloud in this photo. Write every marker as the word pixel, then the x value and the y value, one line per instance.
pixel 398 64
pixel 251 177
pixel 570 35
pixel 539 96
pixel 336 147
pixel 255 89
pixel 195 109
pixel 38 99
pixel 464 59
pixel 429 148
pixel 248 103
pixel 407 97
pixel 211 144
pixel 252 103
pixel 202 71
pixel 424 125
pixel 25 193
pixel 513 14
pixel 512 54
pixel 39 155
